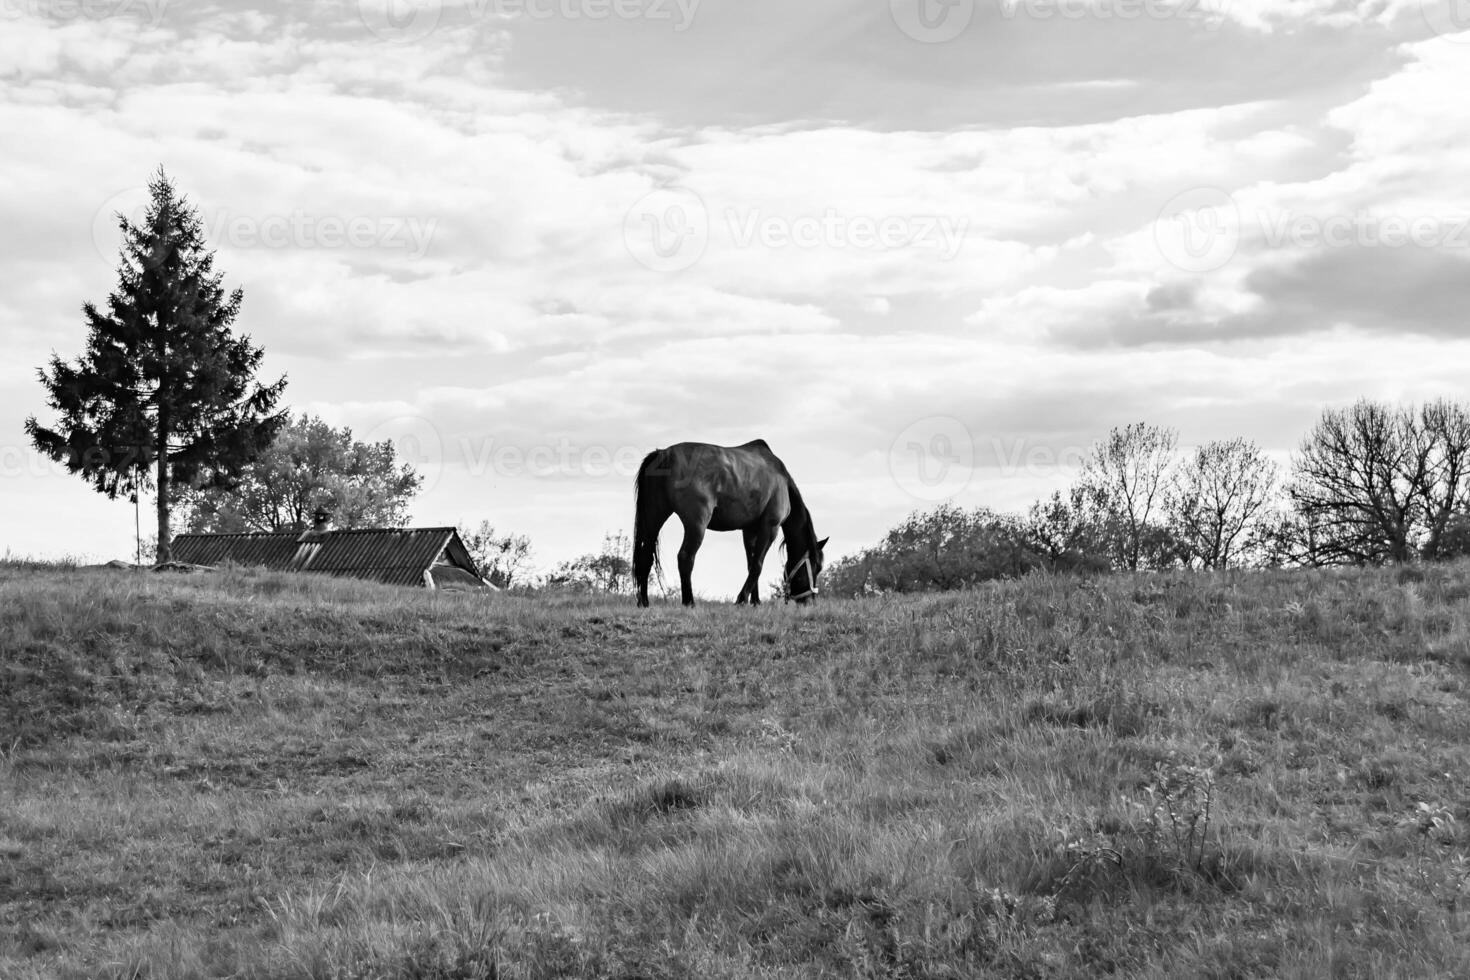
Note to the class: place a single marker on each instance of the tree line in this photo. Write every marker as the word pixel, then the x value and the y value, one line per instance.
pixel 1371 483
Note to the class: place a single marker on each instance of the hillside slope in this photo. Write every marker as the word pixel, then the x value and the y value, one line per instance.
pixel 255 775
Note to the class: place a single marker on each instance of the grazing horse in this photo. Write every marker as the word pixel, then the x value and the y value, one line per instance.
pixel 724 488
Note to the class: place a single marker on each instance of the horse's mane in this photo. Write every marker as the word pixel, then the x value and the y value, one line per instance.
pixel 798 507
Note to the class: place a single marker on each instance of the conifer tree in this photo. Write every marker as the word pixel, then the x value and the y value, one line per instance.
pixel 164 394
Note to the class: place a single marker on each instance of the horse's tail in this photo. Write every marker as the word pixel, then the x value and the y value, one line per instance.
pixel 652 506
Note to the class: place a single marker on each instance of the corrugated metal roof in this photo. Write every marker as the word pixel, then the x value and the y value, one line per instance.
pixel 271 550
pixel 395 556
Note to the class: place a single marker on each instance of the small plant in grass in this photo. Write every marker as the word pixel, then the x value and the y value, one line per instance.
pixel 1448 880
pixel 1431 821
pixel 1090 859
pixel 1181 800
pixel 997 903
pixel 773 735
pixel 1171 833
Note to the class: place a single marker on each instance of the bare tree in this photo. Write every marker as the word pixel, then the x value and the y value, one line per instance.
pixel 501 558
pixel 1376 483
pixel 1358 484
pixel 1442 455
pixel 1218 498
pixel 1281 538
pixel 1127 473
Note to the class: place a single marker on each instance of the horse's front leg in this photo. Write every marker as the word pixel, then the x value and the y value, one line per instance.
pixel 747 590
pixel 693 537
pixel 757 543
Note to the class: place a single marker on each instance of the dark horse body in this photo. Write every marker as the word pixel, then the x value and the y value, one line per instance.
pixel 724 488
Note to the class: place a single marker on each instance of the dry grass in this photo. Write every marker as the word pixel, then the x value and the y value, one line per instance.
pixel 256 775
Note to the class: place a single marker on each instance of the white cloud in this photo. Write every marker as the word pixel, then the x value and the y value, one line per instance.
pixel 490 297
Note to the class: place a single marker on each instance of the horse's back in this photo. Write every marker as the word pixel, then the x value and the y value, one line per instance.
pixel 738 482
pixel 706 453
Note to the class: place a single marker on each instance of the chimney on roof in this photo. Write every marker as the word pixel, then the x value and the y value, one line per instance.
pixel 321 519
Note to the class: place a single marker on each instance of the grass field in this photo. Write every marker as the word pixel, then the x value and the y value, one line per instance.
pixel 254 775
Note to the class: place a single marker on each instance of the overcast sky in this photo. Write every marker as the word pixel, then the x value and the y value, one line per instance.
pixel 927 249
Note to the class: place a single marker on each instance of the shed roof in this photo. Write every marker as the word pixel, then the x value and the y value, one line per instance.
pixel 273 550
pixel 394 556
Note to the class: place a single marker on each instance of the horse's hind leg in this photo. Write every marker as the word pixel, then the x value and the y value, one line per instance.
pixel 645 548
pixel 693 538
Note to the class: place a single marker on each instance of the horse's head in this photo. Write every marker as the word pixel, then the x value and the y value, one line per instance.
pixel 802 571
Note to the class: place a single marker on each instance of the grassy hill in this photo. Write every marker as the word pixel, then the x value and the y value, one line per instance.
pixel 261 776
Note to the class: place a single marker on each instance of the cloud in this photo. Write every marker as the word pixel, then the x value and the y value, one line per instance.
pixel 434 221
pixel 1013 62
pixel 1392 291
